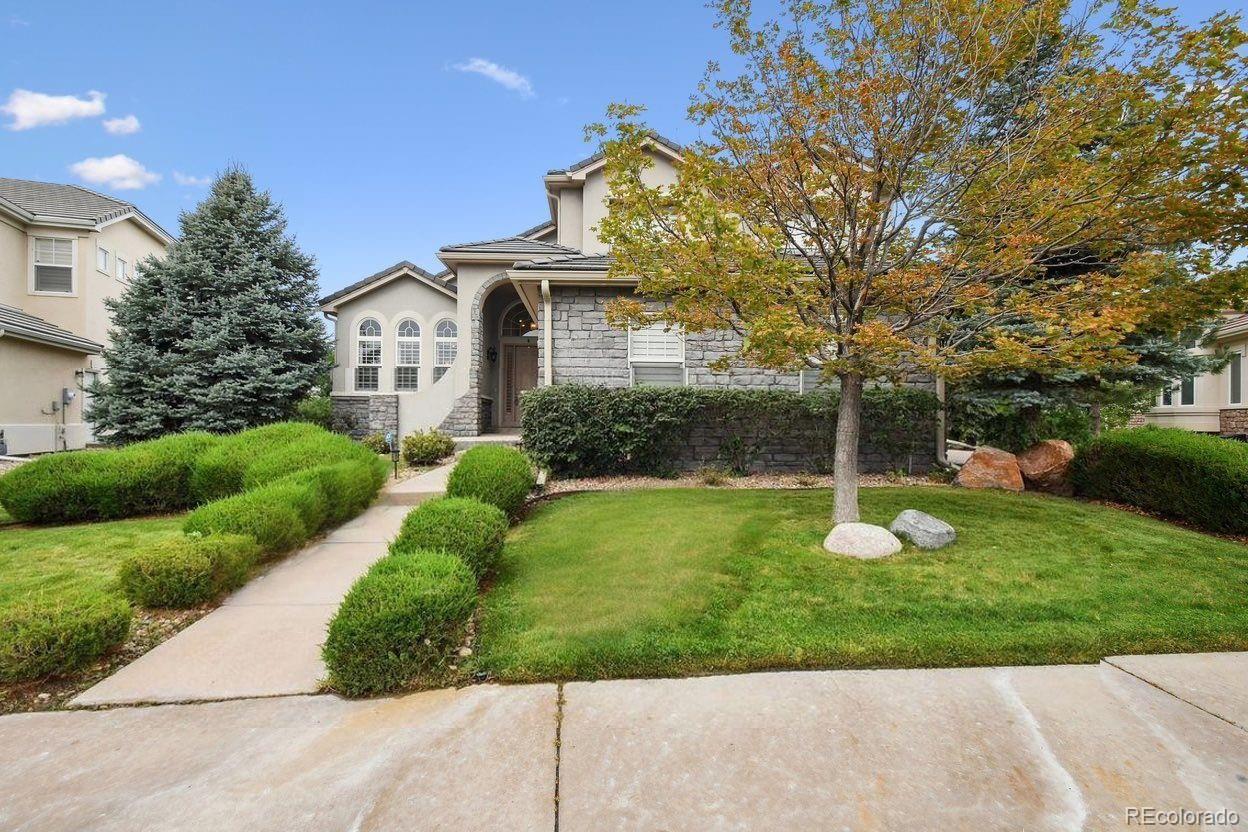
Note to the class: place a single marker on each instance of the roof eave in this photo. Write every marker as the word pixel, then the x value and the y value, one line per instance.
pixel 75 345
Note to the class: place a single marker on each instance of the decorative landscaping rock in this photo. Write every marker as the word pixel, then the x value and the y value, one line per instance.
pixel 1045 466
pixel 990 468
pixel 861 540
pixel 922 529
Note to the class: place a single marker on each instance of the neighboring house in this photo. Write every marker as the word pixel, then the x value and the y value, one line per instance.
pixel 1213 402
pixel 456 349
pixel 63 251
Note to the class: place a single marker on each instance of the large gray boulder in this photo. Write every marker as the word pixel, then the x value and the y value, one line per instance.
pixel 922 529
pixel 861 540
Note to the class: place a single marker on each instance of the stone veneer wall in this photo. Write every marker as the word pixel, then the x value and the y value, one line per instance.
pixel 587 350
pixel 368 414
pixel 1233 421
pixel 468 415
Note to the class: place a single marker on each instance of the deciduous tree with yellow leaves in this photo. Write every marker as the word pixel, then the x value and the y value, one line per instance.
pixel 961 186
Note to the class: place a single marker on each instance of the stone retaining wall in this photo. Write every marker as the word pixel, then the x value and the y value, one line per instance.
pixel 1233 421
pixel 368 414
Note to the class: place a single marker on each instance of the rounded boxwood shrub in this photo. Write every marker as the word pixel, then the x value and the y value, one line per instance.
pixel 266 515
pixel 467 528
pixel 348 487
pixel 144 478
pixel 48 635
pixel 494 474
pixel 222 471
pixel 187 571
pixel 427 447
pixel 1168 471
pixel 399 621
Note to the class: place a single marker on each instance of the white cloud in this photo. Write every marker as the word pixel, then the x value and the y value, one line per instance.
pixel 16 22
pixel 193 181
pixel 37 109
pixel 123 126
pixel 508 78
pixel 120 172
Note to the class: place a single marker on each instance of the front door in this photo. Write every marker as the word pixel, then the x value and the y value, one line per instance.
pixel 519 374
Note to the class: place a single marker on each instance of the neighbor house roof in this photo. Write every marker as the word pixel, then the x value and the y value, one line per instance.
pixel 515 244
pixel 15 323
pixel 674 147
pixel 438 281
pixel 47 203
pixel 567 263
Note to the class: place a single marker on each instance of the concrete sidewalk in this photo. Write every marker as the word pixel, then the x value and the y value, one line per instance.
pixel 1035 748
pixel 265 639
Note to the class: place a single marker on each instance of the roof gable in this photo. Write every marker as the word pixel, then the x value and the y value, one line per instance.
pixel 404 268
pixel 49 203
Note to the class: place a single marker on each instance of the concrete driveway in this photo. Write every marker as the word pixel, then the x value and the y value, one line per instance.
pixel 1038 748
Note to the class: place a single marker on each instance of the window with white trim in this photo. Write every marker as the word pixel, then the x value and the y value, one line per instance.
pixel 445 347
pixel 1187 393
pixel 407 363
pixel 54 265
pixel 368 355
pixel 656 355
pixel 1235 391
pixel 123 269
pixel 101 259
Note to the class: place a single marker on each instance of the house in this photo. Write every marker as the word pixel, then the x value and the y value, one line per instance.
pixel 63 251
pixel 1213 402
pixel 456 348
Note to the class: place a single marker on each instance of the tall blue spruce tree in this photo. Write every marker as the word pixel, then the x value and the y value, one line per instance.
pixel 221 334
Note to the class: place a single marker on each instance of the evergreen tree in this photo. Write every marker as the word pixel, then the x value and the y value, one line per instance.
pixel 222 333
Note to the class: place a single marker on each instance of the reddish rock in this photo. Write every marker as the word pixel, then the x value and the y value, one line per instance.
pixel 991 468
pixel 1046 466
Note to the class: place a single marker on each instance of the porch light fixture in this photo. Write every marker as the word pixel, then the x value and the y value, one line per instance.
pixel 491 354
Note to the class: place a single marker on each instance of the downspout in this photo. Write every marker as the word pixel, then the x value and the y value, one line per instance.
pixel 547 337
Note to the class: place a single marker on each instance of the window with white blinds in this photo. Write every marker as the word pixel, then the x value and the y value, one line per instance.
pixel 656 344
pixel 368 343
pixel 54 265
pixel 408 340
pixel 445 343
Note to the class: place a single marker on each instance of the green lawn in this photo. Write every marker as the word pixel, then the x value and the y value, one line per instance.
pixel 672 582
pixel 60 559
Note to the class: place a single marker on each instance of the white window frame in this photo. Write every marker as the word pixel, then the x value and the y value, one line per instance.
pixel 73 266
pixel 1230 373
pixel 401 341
pixel 122 266
pixel 357 350
pixel 101 268
pixel 1175 394
pixel 635 360
pixel 440 340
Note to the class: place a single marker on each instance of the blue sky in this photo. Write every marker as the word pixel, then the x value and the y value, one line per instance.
pixel 371 122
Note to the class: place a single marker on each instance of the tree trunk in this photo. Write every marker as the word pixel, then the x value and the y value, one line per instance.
pixel 1096 419
pixel 845 463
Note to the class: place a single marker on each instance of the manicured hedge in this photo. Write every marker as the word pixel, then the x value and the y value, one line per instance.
pixel 1175 473
pixel 399 621
pixel 427 447
pixel 187 571
pixel 494 474
pixel 145 478
pixel 43 636
pixel 467 528
pixel 583 430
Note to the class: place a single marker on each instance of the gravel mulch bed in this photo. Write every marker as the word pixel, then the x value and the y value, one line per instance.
pixel 149 628
pixel 750 481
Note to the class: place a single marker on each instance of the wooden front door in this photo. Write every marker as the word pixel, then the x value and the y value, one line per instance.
pixel 519 374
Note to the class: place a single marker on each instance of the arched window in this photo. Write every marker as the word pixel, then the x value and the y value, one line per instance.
pixel 517 322
pixel 445 347
pixel 368 355
pixel 407 363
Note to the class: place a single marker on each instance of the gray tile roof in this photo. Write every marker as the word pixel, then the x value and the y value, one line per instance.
pixel 440 279
pixel 567 263
pixel 589 160
pixel 515 244
pixel 47 199
pixel 529 232
pixel 17 324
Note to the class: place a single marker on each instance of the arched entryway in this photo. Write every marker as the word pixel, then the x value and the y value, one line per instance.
pixel 509 345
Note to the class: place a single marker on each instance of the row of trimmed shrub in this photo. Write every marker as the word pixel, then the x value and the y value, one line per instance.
pixel 402 619
pixel 260 493
pixel 1200 479
pixel 172 473
pixel 585 430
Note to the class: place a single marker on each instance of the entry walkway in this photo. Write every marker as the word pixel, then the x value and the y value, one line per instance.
pixel 1034 748
pixel 265 639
